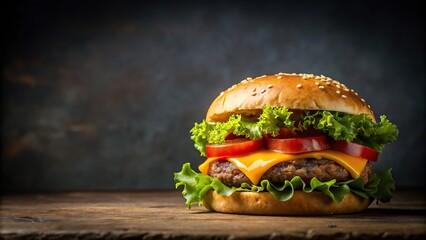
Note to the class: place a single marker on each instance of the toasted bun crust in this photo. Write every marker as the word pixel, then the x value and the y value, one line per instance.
pixel 301 203
pixel 294 91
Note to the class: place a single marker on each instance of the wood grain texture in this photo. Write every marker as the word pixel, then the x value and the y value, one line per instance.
pixel 160 215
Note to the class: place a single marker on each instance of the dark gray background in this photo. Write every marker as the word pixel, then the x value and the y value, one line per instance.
pixel 102 95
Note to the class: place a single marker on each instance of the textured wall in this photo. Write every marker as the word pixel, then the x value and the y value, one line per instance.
pixel 102 95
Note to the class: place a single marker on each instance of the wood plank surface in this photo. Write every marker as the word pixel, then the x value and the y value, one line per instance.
pixel 162 214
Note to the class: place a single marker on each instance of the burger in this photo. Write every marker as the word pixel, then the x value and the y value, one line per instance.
pixel 288 144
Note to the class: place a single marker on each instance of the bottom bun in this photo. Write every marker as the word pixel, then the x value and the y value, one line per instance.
pixel 301 203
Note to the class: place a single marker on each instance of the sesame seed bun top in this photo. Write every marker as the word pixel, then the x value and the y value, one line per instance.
pixel 294 91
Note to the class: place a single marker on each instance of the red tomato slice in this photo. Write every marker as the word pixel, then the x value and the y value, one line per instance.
pixel 286 133
pixel 355 150
pixel 233 147
pixel 298 145
pixel 231 136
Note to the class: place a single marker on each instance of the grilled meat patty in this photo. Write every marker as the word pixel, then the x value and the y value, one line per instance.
pixel 307 168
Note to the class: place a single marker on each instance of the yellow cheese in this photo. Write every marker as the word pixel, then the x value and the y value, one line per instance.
pixel 255 164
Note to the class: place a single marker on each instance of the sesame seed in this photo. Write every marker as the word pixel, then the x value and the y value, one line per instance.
pixel 244 81
pixel 270 86
pixel 356 93
pixel 221 93
pixel 321 87
pixel 299 85
pixel 337 85
pixel 279 77
pixel 328 83
pixel 294 74
pixel 352 90
pixel 253 93
pixel 368 106
pixel 317 77
pixel 338 92
pixel 263 90
pixel 249 78
pixel 329 79
pixel 344 96
pixel 253 90
pixel 304 77
pixel 323 80
pixel 317 83
pixel 346 89
pixel 362 99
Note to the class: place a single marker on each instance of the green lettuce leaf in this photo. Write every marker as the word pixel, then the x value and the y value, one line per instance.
pixel 199 134
pixel 274 118
pixel 196 185
pixel 338 126
pixel 382 133
pixel 244 128
pixel 385 186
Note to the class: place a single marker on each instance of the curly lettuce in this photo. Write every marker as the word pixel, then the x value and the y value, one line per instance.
pixel 340 126
pixel 196 185
pixel 353 128
pixel 274 118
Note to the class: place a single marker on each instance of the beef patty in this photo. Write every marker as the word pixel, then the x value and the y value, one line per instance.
pixel 306 169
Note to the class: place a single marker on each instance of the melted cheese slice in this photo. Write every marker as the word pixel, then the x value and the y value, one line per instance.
pixel 255 164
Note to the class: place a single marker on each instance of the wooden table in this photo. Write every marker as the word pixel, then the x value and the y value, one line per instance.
pixel 158 215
